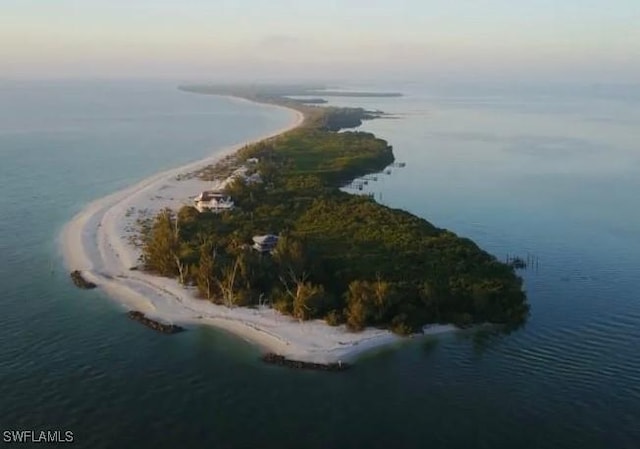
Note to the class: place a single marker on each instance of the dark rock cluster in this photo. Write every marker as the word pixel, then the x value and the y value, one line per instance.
pixel 81 282
pixel 276 359
pixel 153 324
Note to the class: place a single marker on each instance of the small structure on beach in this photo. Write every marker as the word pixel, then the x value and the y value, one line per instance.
pixel 265 243
pixel 213 201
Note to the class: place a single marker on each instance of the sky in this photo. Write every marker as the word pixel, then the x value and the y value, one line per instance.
pixel 594 40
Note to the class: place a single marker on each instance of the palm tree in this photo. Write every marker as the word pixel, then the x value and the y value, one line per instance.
pixel 205 273
pixel 227 284
pixel 359 299
pixel 307 299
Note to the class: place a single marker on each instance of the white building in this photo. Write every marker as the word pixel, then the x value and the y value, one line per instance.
pixel 213 201
pixel 253 179
pixel 265 243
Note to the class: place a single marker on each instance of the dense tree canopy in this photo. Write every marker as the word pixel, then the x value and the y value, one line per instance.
pixel 340 257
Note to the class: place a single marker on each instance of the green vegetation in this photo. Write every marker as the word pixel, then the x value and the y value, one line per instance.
pixel 340 257
pixel 331 118
pixel 281 92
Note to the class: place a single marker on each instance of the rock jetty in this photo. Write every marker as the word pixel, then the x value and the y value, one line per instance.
pixel 81 282
pixel 153 324
pixel 275 359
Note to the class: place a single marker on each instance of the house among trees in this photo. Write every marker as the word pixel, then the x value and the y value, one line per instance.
pixel 255 178
pixel 213 201
pixel 242 174
pixel 265 243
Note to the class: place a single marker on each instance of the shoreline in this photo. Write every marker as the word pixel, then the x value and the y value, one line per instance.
pixel 96 242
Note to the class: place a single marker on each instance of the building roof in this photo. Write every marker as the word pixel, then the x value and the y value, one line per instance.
pixel 268 239
pixel 208 195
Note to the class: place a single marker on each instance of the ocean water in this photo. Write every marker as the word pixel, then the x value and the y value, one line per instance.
pixel 550 172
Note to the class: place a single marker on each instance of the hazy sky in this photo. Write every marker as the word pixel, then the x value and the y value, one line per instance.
pixel 593 39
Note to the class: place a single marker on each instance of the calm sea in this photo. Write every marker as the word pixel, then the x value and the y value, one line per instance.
pixel 548 173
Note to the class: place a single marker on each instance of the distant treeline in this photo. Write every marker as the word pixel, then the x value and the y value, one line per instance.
pixel 281 91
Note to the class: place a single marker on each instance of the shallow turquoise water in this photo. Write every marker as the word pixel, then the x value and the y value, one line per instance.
pixel 554 174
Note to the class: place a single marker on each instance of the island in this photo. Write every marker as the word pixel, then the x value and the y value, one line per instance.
pixel 335 256
pixel 266 243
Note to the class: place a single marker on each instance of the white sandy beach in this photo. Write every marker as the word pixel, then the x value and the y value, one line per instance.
pixel 96 242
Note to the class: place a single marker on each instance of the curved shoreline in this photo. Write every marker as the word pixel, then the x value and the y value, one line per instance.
pixel 96 242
